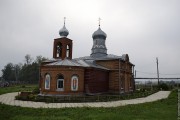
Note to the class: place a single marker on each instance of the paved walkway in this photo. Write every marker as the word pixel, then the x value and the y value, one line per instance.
pixel 9 100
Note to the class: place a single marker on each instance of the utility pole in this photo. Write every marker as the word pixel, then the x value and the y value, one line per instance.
pixel 157 70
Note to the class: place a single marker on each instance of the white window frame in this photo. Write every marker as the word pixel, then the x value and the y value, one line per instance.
pixel 47 79
pixel 72 80
pixel 67 51
pixel 60 89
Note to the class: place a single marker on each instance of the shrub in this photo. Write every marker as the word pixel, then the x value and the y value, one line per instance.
pixel 36 90
pixel 49 100
pixel 163 86
pixel 31 97
pixel 23 86
pixel 142 90
pixel 17 97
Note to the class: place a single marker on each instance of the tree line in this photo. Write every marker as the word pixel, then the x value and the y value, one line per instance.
pixel 26 73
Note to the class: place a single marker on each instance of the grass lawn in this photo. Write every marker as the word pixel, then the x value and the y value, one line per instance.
pixel 165 109
pixel 17 88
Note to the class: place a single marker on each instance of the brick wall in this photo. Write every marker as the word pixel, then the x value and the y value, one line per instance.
pixel 96 80
pixel 67 73
pixel 120 75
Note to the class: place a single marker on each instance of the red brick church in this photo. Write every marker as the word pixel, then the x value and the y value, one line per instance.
pixel 98 73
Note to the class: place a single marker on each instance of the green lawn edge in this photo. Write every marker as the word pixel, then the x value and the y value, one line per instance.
pixel 165 109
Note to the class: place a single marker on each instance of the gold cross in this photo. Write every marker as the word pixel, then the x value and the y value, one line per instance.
pixel 64 20
pixel 99 21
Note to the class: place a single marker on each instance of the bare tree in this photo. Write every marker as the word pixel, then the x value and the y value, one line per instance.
pixel 40 59
pixel 28 59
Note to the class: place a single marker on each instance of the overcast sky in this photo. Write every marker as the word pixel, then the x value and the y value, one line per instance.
pixel 144 29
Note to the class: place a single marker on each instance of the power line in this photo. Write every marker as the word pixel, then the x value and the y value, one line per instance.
pixel 156 73
pixel 145 72
pixel 170 74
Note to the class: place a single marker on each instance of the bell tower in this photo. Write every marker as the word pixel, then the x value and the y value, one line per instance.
pixel 62 46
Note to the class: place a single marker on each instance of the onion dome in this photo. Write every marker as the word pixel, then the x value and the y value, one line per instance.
pixel 63 32
pixel 99 34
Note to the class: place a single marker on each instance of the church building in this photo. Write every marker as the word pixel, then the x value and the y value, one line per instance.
pixel 97 73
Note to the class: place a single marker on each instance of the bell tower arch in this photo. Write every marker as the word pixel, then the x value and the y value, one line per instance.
pixel 62 46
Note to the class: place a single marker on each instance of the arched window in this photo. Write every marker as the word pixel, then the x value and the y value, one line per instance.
pixel 59 50
pixel 60 83
pixel 67 51
pixel 47 81
pixel 74 83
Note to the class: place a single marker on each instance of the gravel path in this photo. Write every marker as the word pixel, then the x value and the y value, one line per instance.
pixel 9 99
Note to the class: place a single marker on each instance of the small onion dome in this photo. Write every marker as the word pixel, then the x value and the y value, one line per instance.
pixel 99 34
pixel 63 32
